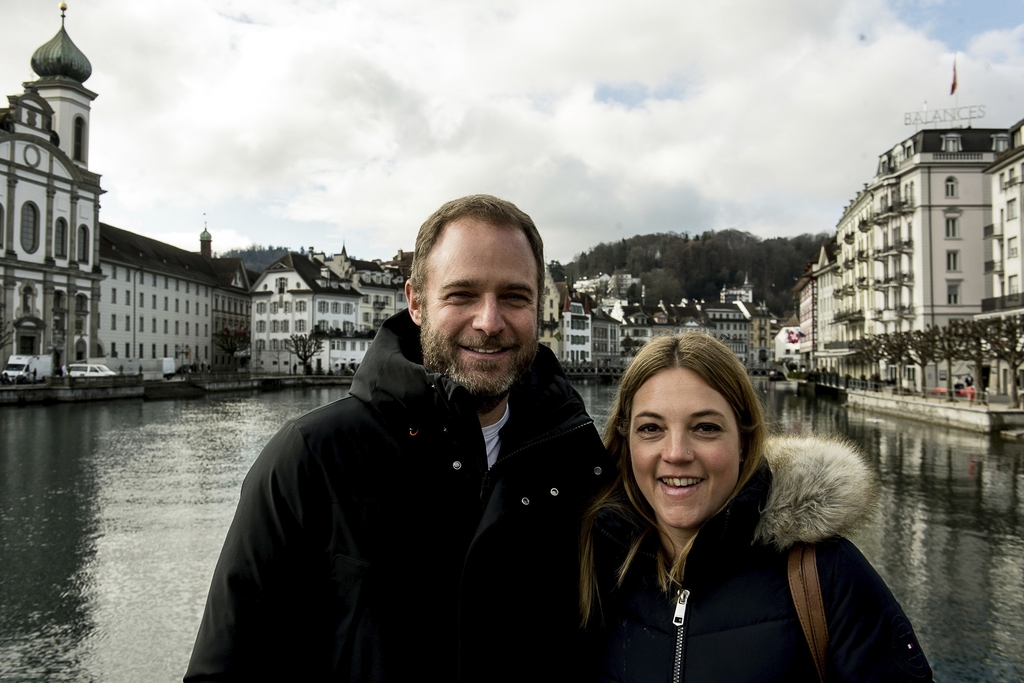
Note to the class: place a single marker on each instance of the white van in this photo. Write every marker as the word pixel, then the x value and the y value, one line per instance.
pixel 27 369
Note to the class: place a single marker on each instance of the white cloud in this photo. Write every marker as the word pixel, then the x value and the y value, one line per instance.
pixel 310 123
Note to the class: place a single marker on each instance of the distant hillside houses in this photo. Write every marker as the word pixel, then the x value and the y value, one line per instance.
pixel 587 325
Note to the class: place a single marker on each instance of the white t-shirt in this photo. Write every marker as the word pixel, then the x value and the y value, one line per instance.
pixel 492 440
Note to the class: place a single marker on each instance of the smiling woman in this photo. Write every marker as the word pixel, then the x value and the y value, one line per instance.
pixel 684 567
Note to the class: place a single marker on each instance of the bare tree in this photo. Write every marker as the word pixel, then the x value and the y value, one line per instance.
pixel 950 346
pixel 232 341
pixel 1006 340
pixel 870 348
pixel 304 346
pixel 897 352
pixel 923 351
pixel 976 333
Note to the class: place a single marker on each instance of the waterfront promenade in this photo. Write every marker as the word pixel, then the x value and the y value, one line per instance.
pixel 985 413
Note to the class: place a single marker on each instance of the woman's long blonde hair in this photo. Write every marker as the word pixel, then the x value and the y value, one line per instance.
pixel 723 372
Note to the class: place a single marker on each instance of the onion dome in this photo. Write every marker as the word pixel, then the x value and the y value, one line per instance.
pixel 60 58
pixel 205 236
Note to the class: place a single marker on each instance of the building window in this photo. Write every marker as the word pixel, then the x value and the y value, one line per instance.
pixel 951 186
pixel 300 306
pixel 1011 209
pixel 113 321
pixel 300 326
pixel 952 227
pixel 1011 247
pixel 347 309
pixel 281 284
pixel 261 308
pixel 322 306
pixel 113 296
pixel 1014 285
pixel 953 261
pixel 953 293
pixel 29 227
pixel 60 238
pixel 284 326
pixel 261 325
pixel 165 331
pixel 83 244
pixel 78 145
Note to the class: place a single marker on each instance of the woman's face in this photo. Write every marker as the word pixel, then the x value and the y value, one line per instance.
pixel 685 447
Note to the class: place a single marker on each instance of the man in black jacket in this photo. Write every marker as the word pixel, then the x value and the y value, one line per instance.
pixel 425 527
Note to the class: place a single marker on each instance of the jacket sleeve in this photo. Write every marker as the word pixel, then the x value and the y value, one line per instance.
pixel 870 637
pixel 253 611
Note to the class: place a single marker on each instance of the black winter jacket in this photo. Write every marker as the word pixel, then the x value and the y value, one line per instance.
pixel 371 543
pixel 739 623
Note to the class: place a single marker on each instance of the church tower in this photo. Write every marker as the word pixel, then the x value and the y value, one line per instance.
pixel 62 69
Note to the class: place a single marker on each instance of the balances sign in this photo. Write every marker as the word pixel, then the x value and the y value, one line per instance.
pixel 923 118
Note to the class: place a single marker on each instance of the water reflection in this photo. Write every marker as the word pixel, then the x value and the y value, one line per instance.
pixel 112 515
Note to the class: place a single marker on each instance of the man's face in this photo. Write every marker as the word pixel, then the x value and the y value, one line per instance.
pixel 478 307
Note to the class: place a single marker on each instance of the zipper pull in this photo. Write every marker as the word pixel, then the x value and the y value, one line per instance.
pixel 677 618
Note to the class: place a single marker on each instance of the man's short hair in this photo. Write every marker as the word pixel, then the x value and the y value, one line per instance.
pixel 483 207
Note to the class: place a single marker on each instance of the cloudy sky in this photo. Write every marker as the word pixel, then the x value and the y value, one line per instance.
pixel 321 123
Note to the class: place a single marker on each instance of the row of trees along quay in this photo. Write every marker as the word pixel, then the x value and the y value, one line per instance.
pixel 971 341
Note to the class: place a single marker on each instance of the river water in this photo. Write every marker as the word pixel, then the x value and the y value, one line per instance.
pixel 112 516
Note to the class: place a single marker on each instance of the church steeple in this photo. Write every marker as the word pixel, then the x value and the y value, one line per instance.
pixel 59 58
pixel 62 69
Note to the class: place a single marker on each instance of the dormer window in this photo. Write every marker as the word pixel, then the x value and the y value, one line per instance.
pixel 1000 142
pixel 951 142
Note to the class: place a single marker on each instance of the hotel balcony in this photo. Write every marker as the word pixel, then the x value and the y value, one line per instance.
pixel 906 206
pixel 906 245
pixel 862 254
pixel 863 225
pixel 848 263
pixel 904 311
pixel 1003 303
pixel 863 283
pixel 904 278
pixel 994 266
pixel 990 231
pixel 1010 182
pixel 848 238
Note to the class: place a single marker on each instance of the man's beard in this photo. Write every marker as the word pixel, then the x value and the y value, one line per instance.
pixel 488 381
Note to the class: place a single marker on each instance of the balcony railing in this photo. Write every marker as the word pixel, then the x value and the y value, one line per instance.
pixel 848 238
pixel 990 231
pixel 1003 303
pixel 862 283
pixel 907 245
pixel 907 206
pixel 863 225
pixel 862 254
pixel 994 266
pixel 1010 182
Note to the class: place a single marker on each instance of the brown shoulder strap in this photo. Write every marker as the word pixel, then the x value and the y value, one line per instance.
pixel 806 590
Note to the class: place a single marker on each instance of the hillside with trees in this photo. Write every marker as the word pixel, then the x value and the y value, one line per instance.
pixel 674 265
pixel 256 257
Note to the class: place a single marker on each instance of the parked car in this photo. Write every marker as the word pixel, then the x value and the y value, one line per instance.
pixel 90 370
pixel 958 390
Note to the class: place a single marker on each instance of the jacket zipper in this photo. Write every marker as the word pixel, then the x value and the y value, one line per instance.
pixel 679 621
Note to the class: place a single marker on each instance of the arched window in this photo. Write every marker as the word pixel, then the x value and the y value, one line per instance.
pixel 951 186
pixel 58 300
pixel 83 244
pixel 79 139
pixel 81 303
pixel 60 238
pixel 29 227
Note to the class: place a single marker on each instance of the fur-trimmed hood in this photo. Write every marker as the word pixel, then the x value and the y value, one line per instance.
pixel 820 488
